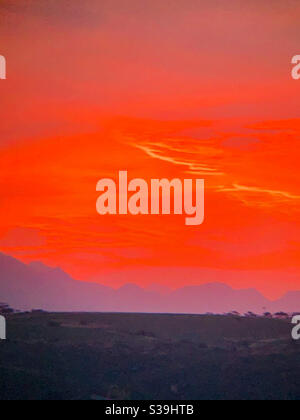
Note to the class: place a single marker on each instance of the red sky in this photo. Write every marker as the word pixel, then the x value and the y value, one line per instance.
pixel 162 89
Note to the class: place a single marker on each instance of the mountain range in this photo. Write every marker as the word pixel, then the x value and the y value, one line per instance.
pixel 37 286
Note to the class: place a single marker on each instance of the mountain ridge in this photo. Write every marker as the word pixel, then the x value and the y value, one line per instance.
pixel 35 285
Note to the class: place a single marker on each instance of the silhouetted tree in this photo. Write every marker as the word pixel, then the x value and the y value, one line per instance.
pixel 5 309
pixel 282 315
pixel 250 315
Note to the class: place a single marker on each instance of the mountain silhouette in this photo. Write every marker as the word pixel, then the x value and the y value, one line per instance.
pixel 37 286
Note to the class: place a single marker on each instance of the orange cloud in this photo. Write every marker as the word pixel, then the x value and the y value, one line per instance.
pixel 161 92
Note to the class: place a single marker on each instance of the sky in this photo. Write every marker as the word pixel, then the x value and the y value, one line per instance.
pixel 162 89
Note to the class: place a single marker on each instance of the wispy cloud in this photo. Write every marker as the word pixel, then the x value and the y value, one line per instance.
pixel 280 196
pixel 188 155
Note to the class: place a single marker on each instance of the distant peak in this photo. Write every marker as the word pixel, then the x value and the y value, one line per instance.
pixel 39 266
pixel 129 287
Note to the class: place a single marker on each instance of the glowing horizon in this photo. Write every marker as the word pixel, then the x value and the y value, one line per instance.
pixel 193 90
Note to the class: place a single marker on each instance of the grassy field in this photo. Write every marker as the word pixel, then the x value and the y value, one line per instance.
pixel 140 356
